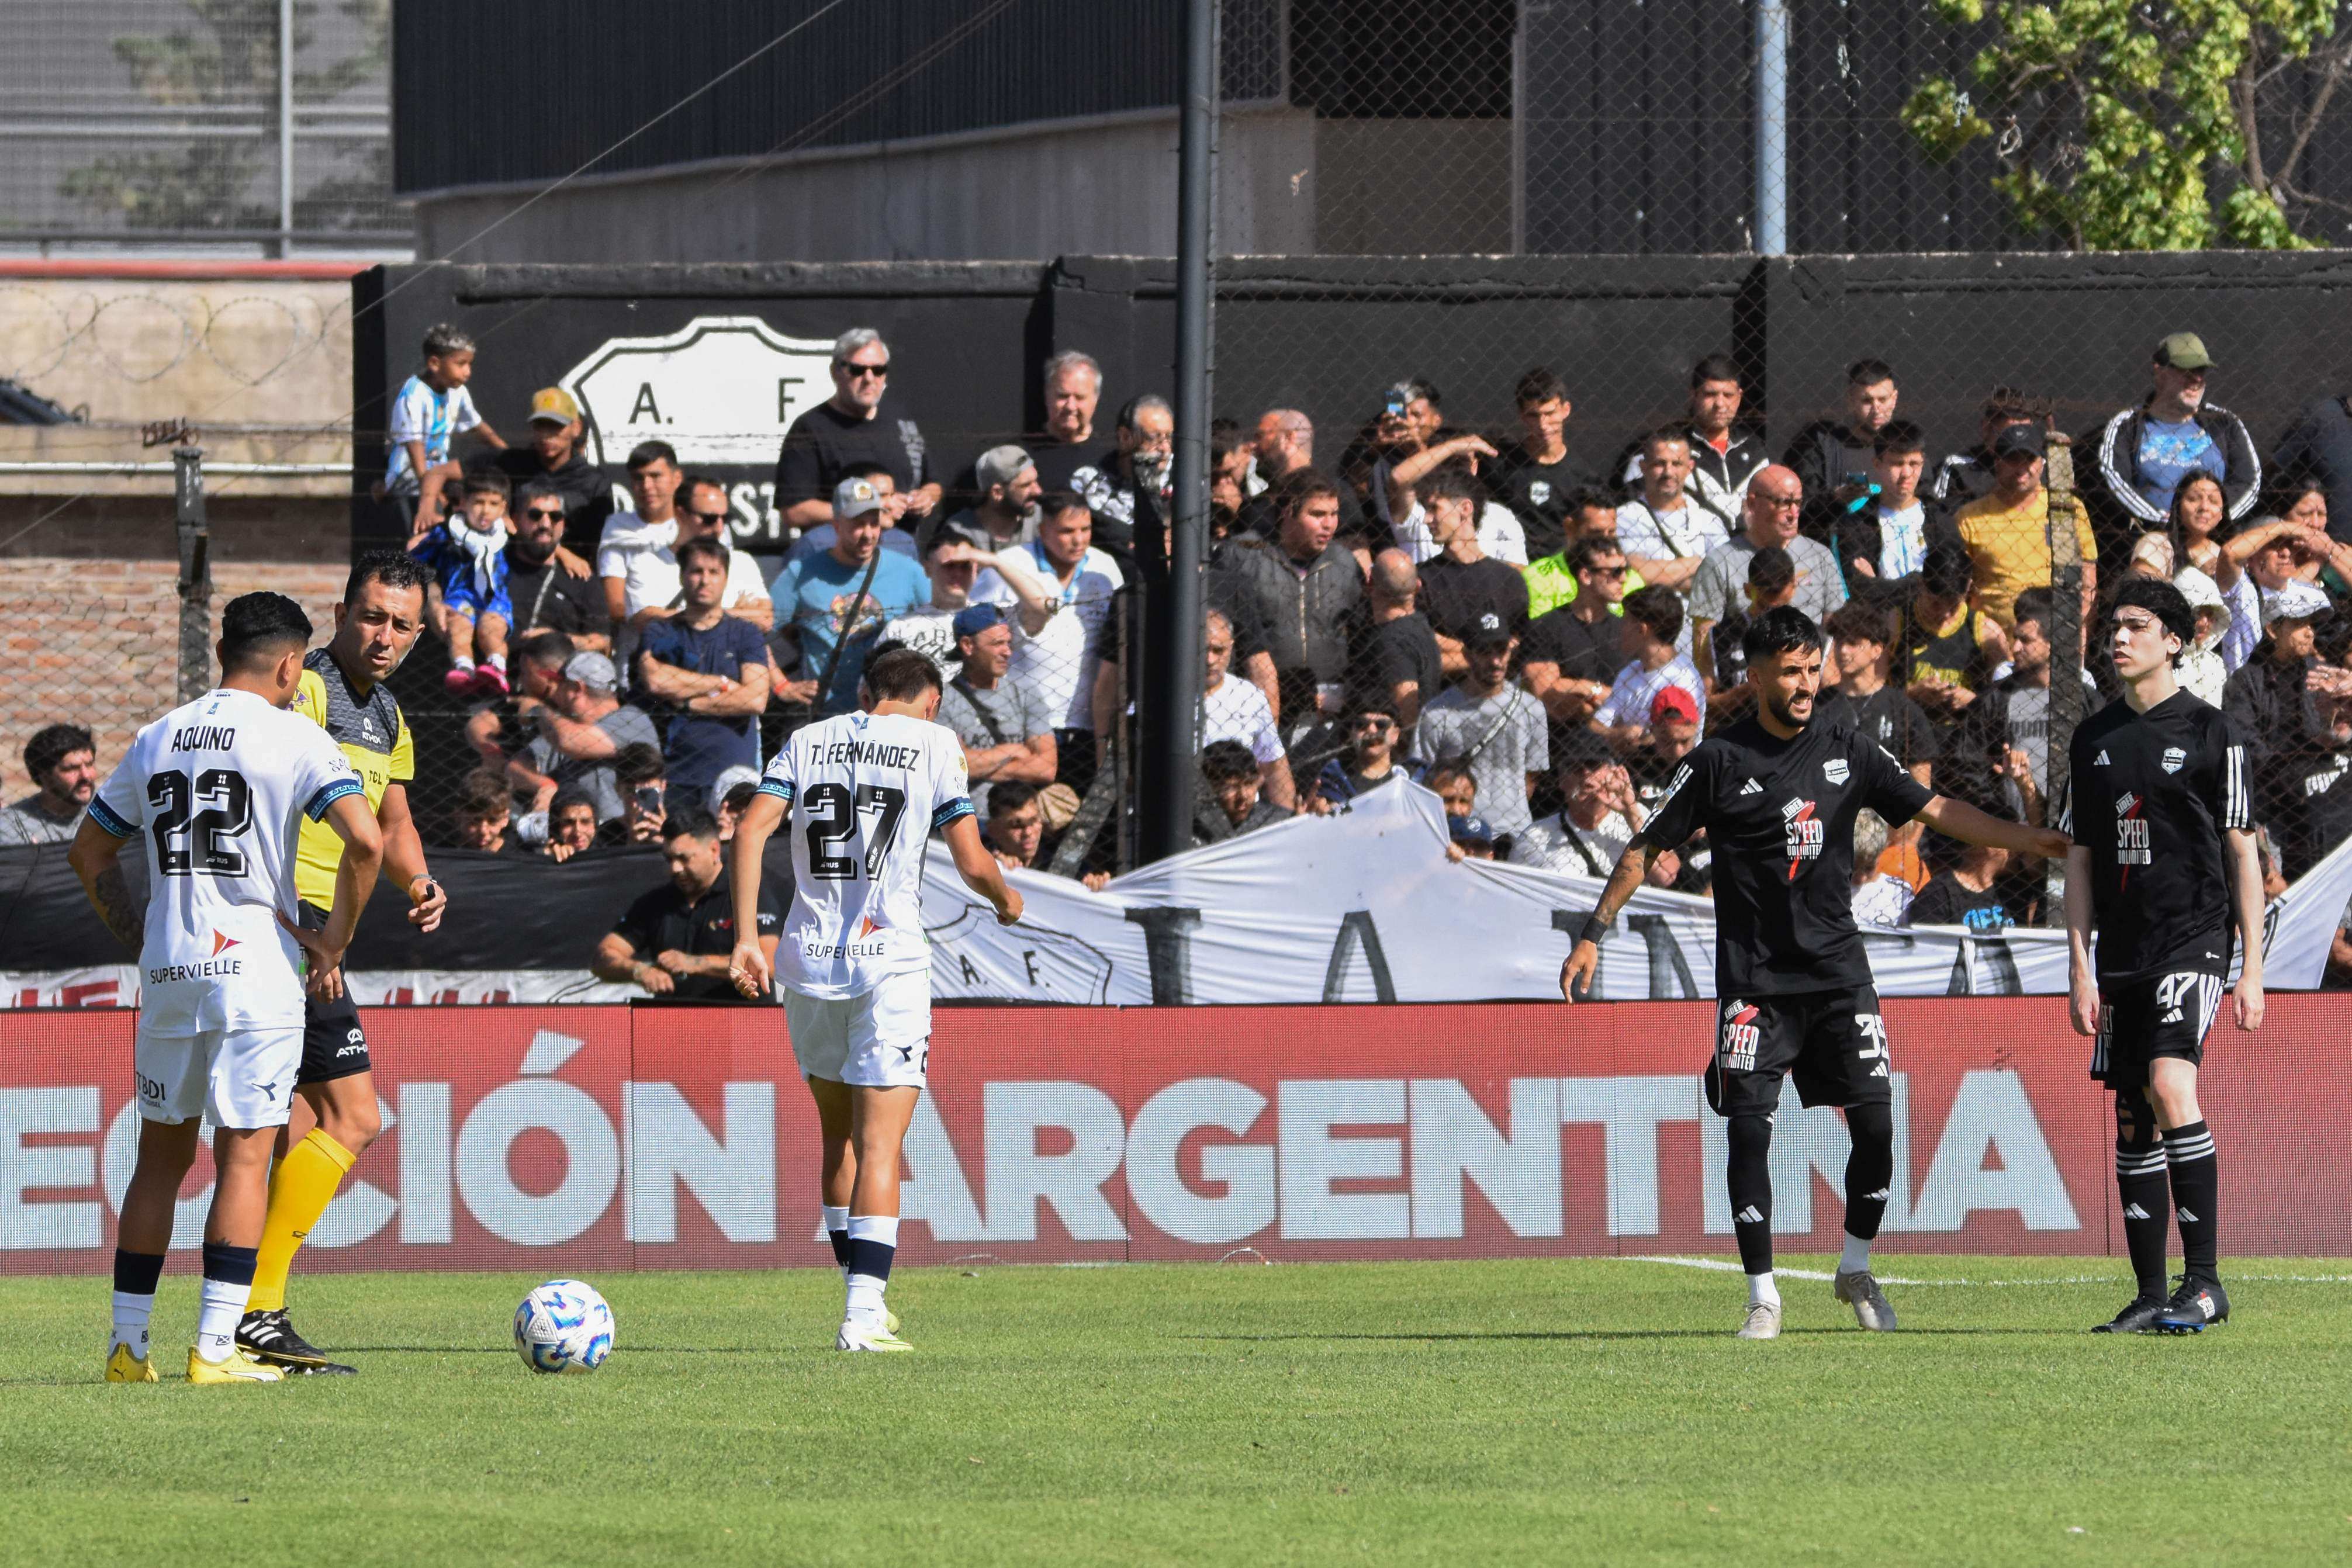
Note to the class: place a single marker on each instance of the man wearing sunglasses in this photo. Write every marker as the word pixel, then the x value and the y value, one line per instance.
pixel 547 593
pixel 848 428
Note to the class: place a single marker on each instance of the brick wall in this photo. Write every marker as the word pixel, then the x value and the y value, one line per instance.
pixel 96 642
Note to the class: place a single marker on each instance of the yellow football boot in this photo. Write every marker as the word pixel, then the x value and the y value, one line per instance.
pixel 238 1368
pixel 125 1367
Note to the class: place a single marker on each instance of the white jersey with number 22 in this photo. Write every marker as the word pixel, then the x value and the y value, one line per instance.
pixel 863 793
pixel 218 790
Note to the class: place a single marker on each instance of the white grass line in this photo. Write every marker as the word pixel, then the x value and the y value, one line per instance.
pixel 1724 1266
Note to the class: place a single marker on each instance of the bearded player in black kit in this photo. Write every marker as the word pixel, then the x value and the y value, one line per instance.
pixel 1777 794
pixel 2164 865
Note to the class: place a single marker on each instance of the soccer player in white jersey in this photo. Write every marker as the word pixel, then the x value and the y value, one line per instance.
pixel 218 790
pixel 862 794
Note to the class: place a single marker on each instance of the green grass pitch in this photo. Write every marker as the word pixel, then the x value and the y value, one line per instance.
pixel 1589 1411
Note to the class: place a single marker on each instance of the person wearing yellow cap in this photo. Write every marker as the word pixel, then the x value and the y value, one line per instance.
pixel 553 454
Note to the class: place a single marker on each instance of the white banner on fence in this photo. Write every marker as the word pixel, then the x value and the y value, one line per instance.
pixel 1365 906
pixel 1361 906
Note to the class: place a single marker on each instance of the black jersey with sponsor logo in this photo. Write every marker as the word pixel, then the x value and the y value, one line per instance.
pixel 2149 795
pixel 1778 815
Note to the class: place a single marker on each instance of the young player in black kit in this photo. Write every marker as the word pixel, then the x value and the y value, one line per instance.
pixel 1778 794
pixel 2164 865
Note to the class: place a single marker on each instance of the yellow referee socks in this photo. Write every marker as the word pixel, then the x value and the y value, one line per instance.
pixel 300 1190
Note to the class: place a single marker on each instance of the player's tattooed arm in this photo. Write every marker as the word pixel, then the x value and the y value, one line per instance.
pixel 96 858
pixel 127 918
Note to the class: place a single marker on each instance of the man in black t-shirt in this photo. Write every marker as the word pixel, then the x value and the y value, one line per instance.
pixel 675 940
pixel 2159 801
pixel 1462 582
pixel 1776 794
pixel 548 595
pixel 851 427
pixel 1394 665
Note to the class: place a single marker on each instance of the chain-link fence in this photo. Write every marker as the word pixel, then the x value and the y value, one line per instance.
pixel 177 122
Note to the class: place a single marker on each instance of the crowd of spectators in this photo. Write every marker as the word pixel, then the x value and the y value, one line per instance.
pixel 1469 609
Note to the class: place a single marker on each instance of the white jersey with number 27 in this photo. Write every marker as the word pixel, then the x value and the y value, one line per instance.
pixel 218 790
pixel 863 793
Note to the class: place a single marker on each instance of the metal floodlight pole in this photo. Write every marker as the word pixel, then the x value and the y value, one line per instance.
pixel 195 572
pixel 1772 126
pixel 1170 767
pixel 285 128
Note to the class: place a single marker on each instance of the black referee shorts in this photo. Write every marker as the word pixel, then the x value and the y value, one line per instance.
pixel 333 1044
pixel 2164 1015
pixel 1834 1043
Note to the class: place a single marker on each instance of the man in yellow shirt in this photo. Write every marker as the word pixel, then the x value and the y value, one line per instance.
pixel 2007 532
pixel 334 1111
pixel 1551 581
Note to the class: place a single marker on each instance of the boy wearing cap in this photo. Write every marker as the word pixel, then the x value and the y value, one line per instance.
pixel 2007 533
pixel 2146 451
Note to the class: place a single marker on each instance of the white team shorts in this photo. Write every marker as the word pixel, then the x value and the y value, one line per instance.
pixel 236 1077
pixel 880 1039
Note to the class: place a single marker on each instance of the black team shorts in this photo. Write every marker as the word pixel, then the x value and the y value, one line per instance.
pixel 2164 1015
pixel 333 1044
pixel 1834 1042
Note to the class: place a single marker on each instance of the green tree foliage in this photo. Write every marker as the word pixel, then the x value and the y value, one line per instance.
pixel 227 57
pixel 2140 124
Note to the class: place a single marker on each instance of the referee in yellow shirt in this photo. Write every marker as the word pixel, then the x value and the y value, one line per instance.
pixel 334 1112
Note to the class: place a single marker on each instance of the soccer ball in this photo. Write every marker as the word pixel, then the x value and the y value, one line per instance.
pixel 564 1326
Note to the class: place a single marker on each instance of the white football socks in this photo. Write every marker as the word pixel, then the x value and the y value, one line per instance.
pixel 1762 1290
pixel 868 1232
pixel 130 1315
pixel 223 1306
pixel 1855 1258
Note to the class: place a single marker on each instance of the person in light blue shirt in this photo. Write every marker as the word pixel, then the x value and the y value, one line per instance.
pixel 841 597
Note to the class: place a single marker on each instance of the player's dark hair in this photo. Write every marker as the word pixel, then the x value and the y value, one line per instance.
pixel 1539 385
pixel 1948 569
pixel 547 648
pixel 639 762
pixel 1868 372
pixel 52 744
pixel 1659 610
pixel 646 453
pixel 2038 605
pixel 1783 629
pixel 1771 570
pixel 1451 482
pixel 1589 498
pixel 1898 435
pixel 488 482
pixel 1227 762
pixel 1054 503
pixel 443 339
pixel 700 545
pixel 690 824
pixel 393 568
pixel 1591 548
pixel 531 490
pixel 2163 601
pixel 901 675
pixel 1714 368
pixel 484 793
pixel 1855 621
pixel 257 628
pixel 1009 796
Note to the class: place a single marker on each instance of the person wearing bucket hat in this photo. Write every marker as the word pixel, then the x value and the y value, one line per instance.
pixel 2147 451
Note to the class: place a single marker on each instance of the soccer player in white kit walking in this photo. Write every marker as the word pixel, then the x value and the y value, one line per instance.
pixel 862 793
pixel 218 788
